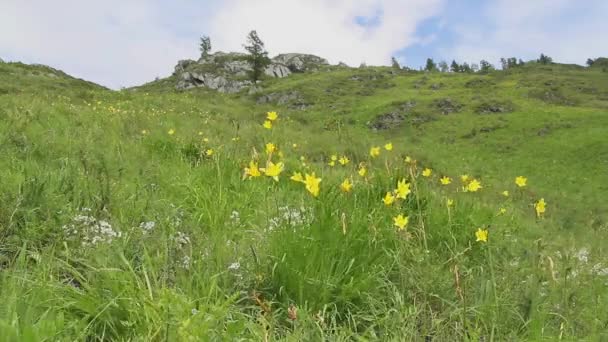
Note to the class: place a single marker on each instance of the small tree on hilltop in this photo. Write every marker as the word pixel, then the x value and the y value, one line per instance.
pixel 395 63
pixel 258 56
pixel 430 65
pixel 485 66
pixel 454 67
pixel 544 59
pixel 443 66
pixel 590 61
pixel 205 45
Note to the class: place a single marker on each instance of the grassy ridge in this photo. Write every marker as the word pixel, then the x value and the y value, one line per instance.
pixel 112 228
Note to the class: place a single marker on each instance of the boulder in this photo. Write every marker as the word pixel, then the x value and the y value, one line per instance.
pixel 277 70
pixel 238 67
pixel 220 83
pixel 299 62
pixel 182 66
pixel 447 106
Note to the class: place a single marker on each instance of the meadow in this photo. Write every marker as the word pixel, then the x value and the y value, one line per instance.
pixel 148 214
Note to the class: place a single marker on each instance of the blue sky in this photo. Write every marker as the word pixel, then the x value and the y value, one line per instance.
pixel 122 43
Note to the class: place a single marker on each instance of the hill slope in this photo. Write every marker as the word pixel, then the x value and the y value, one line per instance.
pixel 125 215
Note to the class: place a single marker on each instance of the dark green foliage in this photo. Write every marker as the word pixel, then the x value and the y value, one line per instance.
pixel 454 67
pixel 430 65
pixel 544 59
pixel 485 66
pixel 395 63
pixel 205 46
pixel 258 56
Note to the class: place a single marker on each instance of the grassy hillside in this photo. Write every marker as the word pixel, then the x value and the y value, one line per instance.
pixel 130 216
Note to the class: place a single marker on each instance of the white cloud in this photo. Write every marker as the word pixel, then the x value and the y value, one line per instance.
pixel 112 42
pixel 323 27
pixel 129 42
pixel 570 31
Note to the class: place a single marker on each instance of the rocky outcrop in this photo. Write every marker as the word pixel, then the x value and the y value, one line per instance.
pixel 216 82
pixel 228 72
pixel 277 70
pixel 293 99
pixel 182 66
pixel 299 62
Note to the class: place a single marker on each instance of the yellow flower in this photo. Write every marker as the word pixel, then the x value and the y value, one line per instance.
pixel 206 140
pixel 362 171
pixel 252 170
pixel 400 221
pixel 502 211
pixel 171 131
pixel 473 186
pixel 505 193
pixel 389 198
pixel 236 139
pixel 374 151
pixel 209 152
pixel 144 132
pixel 270 148
pixel 403 189
pixel 408 159
pixel 388 147
pixel 540 207
pixel 346 185
pixel 334 157
pixel 297 177
pixel 344 160
pixel 302 159
pixel 464 178
pixel 450 202
pixel 274 170
pixel 521 181
pixel 200 133
pixel 271 116
pixel 427 172
pixel 294 145
pixel 332 163
pixel 445 180
pixel 267 124
pixel 481 235
pixel 312 184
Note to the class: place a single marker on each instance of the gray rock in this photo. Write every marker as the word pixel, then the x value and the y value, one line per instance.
pixel 299 62
pixel 293 99
pixel 220 83
pixel 447 106
pixel 238 67
pixel 277 70
pixel 182 66
pixel 392 119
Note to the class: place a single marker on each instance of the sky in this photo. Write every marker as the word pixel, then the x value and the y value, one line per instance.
pixel 122 43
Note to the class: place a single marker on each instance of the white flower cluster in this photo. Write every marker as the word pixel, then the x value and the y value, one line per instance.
pixel 147 227
pixel 235 217
pixel 291 217
pixel 90 230
pixel 181 238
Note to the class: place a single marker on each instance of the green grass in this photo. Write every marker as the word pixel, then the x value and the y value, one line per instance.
pixel 227 258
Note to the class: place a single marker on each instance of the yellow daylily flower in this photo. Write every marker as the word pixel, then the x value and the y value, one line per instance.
pixel 521 181
pixel 403 189
pixel 481 235
pixel 346 185
pixel 400 221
